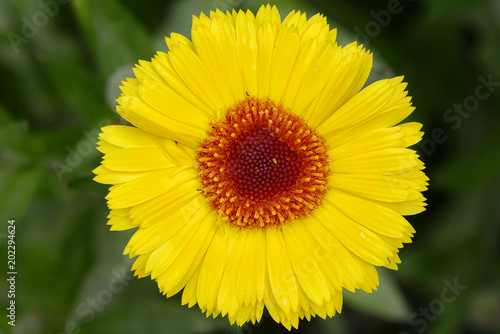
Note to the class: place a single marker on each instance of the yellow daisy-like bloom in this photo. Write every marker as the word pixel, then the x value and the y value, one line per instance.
pixel 260 173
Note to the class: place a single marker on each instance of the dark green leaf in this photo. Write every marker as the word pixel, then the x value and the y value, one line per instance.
pixel 11 133
pixel 115 37
pixel 388 302
pixel 18 190
pixel 79 89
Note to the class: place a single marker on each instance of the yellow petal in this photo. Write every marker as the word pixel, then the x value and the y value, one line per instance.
pixel 127 136
pixel 315 28
pixel 107 176
pixel 400 136
pixel 136 160
pixel 173 199
pixel 194 73
pixel 382 104
pixel 176 153
pixel 148 187
pixel 385 162
pixel 139 113
pixel 139 265
pixel 227 301
pixel 175 39
pixel 246 42
pixel 377 187
pixel 268 14
pixel 252 269
pixel 281 275
pixel 165 100
pixel 150 237
pixel 266 38
pixel 283 61
pixel 121 223
pixel 319 72
pixel 358 239
pixel 105 147
pixel 407 208
pixel 189 292
pixel 304 264
pixel 212 267
pixel 215 44
pixel 163 65
pixel 176 260
pixel 335 254
pixel 295 18
pixel 348 78
pixel 376 217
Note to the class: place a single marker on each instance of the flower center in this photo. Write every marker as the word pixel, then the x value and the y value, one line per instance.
pixel 262 166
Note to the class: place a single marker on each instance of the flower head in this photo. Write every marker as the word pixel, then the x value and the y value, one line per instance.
pixel 259 173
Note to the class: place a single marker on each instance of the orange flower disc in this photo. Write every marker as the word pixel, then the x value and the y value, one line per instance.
pixel 263 166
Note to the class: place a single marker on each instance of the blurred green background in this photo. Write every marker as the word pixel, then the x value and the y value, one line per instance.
pixel 60 66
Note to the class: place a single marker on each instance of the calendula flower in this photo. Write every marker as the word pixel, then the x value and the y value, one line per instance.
pixel 259 173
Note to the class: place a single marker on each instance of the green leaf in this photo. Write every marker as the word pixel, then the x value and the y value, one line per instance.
pixel 115 37
pixel 108 277
pixel 163 315
pixel 4 115
pixel 444 8
pixel 469 171
pixel 11 133
pixel 18 189
pixel 80 90
pixel 388 302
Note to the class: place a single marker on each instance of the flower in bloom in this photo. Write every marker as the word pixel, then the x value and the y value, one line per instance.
pixel 260 172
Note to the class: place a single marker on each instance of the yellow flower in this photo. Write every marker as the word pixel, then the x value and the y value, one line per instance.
pixel 260 173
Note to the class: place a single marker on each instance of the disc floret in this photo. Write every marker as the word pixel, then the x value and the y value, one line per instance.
pixel 263 166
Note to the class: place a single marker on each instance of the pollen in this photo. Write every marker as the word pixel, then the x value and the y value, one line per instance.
pixel 263 166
